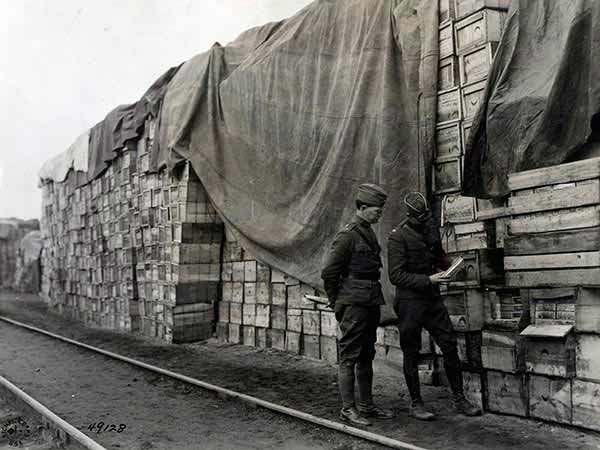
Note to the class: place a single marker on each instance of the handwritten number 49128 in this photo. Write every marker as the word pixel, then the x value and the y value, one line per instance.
pixel 102 427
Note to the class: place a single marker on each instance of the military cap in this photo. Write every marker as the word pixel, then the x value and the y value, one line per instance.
pixel 371 194
pixel 416 203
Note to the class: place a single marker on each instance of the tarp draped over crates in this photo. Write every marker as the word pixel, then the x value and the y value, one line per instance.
pixel 284 123
pixel 124 123
pixel 75 157
pixel 543 86
pixel 27 275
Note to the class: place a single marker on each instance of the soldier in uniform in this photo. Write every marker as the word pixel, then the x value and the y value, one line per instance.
pixel 351 278
pixel 415 257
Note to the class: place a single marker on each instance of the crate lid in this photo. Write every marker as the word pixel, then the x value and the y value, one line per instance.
pixel 547 330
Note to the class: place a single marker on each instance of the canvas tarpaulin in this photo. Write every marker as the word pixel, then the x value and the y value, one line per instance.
pixel 124 123
pixel 284 123
pixel 75 157
pixel 542 93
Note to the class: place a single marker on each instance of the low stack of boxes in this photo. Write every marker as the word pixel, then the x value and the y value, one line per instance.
pixel 265 308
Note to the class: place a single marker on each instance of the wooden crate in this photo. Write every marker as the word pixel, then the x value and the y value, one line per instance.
pixel 550 350
pixel 294 320
pixel 465 308
pixel 507 393
pixel 448 73
pixel 329 326
pixel 249 335
pixel 449 106
pixel 278 317
pixel 447 175
pixel 293 342
pixel 557 196
pixel 587 310
pixel 503 304
pixel 277 339
pixel 586 404
pixel 469 236
pixel 551 306
pixel 477 29
pixel 550 399
pixel 503 350
pixel 529 241
pixel 392 336
pixel 235 333
pixel 311 346
pixel 446 41
pixel 475 64
pixel 446 11
pixel 311 322
pixel 472 98
pixel 448 140
pixel 465 129
pixel 329 350
pixel 463 8
pixel 458 209
pixel 588 357
pixel 589 276
pixel 263 316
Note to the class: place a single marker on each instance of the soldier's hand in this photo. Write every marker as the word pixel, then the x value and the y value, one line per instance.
pixel 438 278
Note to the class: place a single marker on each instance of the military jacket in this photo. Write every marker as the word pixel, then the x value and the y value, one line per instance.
pixel 352 270
pixel 414 253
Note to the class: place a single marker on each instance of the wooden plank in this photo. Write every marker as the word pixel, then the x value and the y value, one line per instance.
pixel 581 194
pixel 550 399
pixel 561 173
pixel 507 393
pixel 548 331
pixel 294 320
pixel 463 8
pixel 552 261
pixel 569 219
pixel 554 278
pixel 586 404
pixel 467 228
pixel 329 324
pixel 567 241
pixel 277 339
pixel 588 357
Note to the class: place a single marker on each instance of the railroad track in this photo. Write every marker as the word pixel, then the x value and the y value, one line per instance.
pixel 75 435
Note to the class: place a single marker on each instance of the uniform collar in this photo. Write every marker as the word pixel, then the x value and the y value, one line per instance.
pixel 360 221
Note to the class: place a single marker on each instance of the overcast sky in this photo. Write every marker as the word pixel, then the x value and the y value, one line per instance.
pixel 65 64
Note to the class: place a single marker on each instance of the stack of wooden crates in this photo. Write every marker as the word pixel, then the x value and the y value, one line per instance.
pixel 469 33
pixel 266 308
pixel 123 251
pixel 553 256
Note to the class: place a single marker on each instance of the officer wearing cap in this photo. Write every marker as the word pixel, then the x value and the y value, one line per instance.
pixel 415 255
pixel 351 278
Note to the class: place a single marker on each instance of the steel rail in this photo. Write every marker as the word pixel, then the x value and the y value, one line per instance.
pixel 336 426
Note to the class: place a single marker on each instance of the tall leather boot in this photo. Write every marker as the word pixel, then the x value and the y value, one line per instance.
pixel 454 375
pixel 411 374
pixel 366 407
pixel 349 413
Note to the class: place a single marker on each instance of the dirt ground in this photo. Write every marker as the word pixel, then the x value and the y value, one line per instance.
pixel 298 383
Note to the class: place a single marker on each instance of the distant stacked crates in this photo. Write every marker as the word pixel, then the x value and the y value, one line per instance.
pixel 133 250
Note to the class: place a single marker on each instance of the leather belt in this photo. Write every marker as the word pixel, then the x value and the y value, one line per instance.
pixel 358 276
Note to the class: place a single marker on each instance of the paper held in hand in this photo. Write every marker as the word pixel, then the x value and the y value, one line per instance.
pixel 456 266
